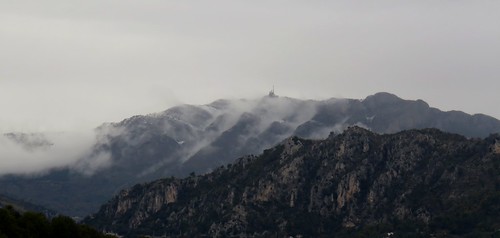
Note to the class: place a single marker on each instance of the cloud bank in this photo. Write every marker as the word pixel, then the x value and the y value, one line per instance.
pixel 35 154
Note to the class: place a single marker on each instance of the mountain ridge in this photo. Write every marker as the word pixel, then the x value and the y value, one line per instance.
pixel 411 183
pixel 23 206
pixel 190 138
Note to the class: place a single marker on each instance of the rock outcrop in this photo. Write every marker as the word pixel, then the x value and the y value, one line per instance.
pixel 413 183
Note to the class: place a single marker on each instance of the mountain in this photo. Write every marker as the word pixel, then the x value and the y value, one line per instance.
pixel 191 138
pixel 415 183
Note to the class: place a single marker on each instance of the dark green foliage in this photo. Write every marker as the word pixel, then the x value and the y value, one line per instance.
pixel 35 225
pixel 63 227
pixel 476 214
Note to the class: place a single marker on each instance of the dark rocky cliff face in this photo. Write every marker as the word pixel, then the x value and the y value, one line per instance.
pixel 414 183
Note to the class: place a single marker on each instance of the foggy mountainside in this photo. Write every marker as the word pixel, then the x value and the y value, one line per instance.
pixel 415 183
pixel 189 138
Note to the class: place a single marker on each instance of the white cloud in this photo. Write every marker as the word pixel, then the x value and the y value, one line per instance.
pixel 69 149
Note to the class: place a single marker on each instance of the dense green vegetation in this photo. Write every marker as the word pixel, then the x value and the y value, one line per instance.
pixel 31 224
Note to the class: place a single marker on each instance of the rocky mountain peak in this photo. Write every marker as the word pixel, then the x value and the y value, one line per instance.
pixel 412 183
pixel 356 131
pixel 382 98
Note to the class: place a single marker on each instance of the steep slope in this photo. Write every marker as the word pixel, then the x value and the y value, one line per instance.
pixel 189 138
pixel 413 183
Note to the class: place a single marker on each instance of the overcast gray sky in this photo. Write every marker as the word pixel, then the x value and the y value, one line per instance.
pixel 74 64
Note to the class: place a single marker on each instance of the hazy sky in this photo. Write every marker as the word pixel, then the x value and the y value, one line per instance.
pixel 73 64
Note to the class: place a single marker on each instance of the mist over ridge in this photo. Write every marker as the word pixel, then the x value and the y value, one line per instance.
pixel 196 129
pixel 199 138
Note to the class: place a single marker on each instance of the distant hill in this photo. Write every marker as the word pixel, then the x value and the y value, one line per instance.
pixel 416 183
pixel 192 138
pixel 23 206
